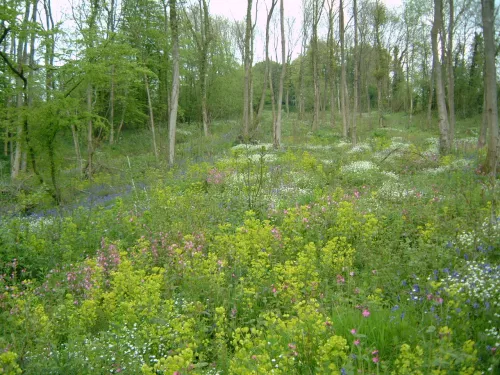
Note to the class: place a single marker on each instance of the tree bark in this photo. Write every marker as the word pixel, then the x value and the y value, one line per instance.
pixel 356 75
pixel 317 10
pixel 174 97
pixel 277 137
pixel 444 127
pixel 451 78
pixel 343 74
pixel 247 67
pixel 490 87
pixel 266 69
pixel 151 117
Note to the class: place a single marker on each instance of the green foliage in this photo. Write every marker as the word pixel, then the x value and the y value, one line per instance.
pixel 323 276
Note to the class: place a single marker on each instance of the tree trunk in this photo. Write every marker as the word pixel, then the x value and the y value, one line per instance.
pixel 266 69
pixel 444 127
pixel 277 137
pixel 151 117
pixel 343 74
pixel 451 78
pixel 483 130
pixel 246 59
pixel 431 95
pixel 76 143
pixel 21 87
pixel 112 107
pixel 174 97
pixel 490 87
pixel 331 65
pixel 90 131
pixel 317 10
pixel 356 75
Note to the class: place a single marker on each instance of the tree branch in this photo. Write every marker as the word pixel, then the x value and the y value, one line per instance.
pixel 20 74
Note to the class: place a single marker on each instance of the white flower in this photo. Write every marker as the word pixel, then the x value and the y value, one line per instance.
pixel 359 167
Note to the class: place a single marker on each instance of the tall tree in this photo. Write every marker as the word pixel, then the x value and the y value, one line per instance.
pixel 490 86
pixel 317 10
pixel 356 74
pixel 331 57
pixel 267 64
pixel 444 127
pixel 344 99
pixel 174 96
pixel 247 66
pixel 449 70
pixel 277 135
pixel 380 18
pixel 203 36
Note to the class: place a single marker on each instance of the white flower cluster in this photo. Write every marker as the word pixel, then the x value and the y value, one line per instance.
pixel 361 166
pixel 479 282
pixel 36 224
pixel 343 144
pixel 360 147
pixel 396 191
pixel 489 231
pixel 465 142
pixel 183 132
pixel 317 147
pixel 399 145
pixel 251 147
pixel 438 170
pixel 391 175
pixel 467 239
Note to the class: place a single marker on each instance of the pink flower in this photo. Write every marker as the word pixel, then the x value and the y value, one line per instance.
pixel 375 359
pixel 356 342
pixel 366 313
pixel 340 279
pixel 375 352
pixel 353 331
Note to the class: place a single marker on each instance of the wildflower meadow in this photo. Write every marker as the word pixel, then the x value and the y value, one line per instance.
pixel 321 257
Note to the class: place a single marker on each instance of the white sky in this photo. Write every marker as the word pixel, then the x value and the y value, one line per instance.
pixel 236 10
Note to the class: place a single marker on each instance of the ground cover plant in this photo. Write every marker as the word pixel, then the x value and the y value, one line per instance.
pixel 318 258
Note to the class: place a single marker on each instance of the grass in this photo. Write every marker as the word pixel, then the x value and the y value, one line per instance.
pixel 319 257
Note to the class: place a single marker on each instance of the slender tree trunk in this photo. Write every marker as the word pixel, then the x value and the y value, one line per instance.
pixel 246 58
pixel 343 74
pixel 112 107
pixel 431 95
pixel 151 117
pixel 451 78
pixel 174 97
pixel 277 138
pixel 317 10
pixel 331 65
pixel 267 68
pixel 444 127
pixel 21 87
pixel 76 143
pixel 356 75
pixel 90 133
pixel 490 87
pixel 483 130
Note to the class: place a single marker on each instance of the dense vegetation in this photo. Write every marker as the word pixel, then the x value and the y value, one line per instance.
pixel 321 257
pixel 171 205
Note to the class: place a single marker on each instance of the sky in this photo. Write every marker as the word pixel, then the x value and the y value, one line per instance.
pixel 236 10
